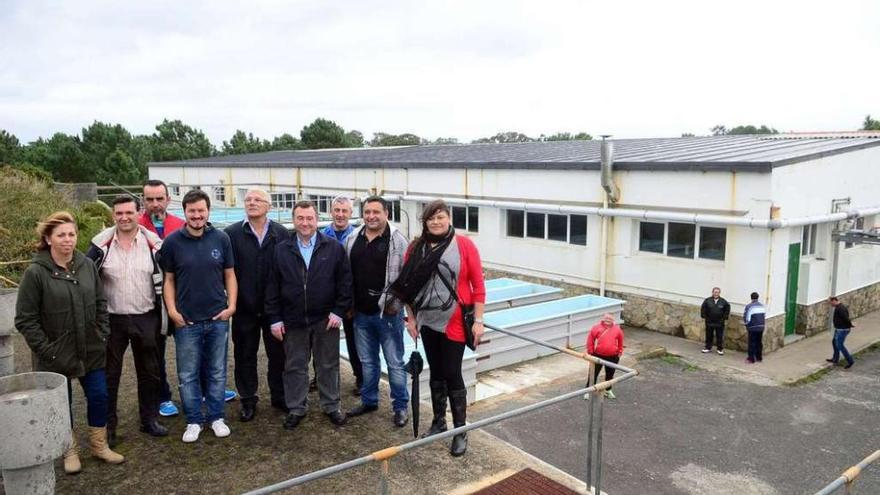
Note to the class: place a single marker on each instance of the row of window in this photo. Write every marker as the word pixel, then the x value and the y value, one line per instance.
pixel 550 226
pixel 683 240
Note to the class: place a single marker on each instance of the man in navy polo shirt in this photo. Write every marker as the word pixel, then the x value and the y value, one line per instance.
pixel 200 293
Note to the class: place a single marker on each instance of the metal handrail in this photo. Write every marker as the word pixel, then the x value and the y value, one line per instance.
pixel 382 456
pixel 849 476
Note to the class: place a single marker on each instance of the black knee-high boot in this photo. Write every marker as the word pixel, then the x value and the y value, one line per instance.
pixel 458 401
pixel 438 401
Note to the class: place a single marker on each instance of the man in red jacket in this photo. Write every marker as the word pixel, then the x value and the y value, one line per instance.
pixel 605 341
pixel 155 216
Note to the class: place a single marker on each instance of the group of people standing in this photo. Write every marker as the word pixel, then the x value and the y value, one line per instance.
pixel 153 275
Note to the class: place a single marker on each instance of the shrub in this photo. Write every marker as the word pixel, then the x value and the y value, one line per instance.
pixel 27 198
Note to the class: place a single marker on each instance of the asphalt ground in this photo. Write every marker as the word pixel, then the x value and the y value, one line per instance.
pixel 677 429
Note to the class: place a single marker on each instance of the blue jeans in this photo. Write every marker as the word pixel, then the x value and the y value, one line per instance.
pixel 371 333
pixel 94 385
pixel 205 343
pixel 840 336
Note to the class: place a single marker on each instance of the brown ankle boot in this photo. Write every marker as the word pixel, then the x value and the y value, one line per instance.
pixel 71 457
pixel 100 449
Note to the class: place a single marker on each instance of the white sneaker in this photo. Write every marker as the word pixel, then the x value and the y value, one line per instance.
pixel 220 428
pixel 192 433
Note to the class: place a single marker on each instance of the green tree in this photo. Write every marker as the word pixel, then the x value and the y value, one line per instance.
pixel 174 140
pixel 323 133
pixel 61 156
pixel 113 155
pixel 242 143
pixel 285 142
pixel 720 130
pixel 869 124
pixel 405 139
pixel 505 137
pixel 443 141
pixel 566 136
pixel 354 139
pixel 10 148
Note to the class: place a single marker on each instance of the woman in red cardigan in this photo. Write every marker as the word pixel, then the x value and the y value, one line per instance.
pixel 605 341
pixel 438 261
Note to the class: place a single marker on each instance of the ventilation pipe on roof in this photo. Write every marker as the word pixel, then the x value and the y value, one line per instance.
pixel 606 156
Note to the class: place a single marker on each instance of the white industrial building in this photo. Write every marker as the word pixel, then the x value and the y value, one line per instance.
pixel 678 216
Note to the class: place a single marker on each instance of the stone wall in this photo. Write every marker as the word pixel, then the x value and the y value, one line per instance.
pixel 814 318
pixel 680 320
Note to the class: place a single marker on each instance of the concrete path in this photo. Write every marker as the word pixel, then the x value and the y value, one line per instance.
pixel 794 362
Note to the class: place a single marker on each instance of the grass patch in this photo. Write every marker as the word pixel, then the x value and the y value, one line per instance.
pixel 677 361
pixel 811 378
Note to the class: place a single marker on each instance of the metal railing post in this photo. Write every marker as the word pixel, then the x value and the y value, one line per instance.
pixel 383 478
pixel 591 408
pixel 600 398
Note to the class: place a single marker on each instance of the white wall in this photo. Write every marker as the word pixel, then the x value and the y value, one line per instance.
pixel 807 189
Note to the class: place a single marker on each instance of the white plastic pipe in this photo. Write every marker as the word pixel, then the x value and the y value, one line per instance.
pixel 656 215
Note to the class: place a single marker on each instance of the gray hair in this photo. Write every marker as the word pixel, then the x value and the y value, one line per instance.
pixel 345 200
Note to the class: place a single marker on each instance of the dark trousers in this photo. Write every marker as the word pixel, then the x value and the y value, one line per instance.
pixel 756 346
pixel 351 346
pixel 444 358
pixel 299 345
pixel 609 371
pixel 164 388
pixel 142 331
pixel 247 328
pixel 716 329
pixel 94 385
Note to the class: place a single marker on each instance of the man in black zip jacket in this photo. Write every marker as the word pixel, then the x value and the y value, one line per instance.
pixel 309 291
pixel 253 244
pixel 715 311
pixel 842 327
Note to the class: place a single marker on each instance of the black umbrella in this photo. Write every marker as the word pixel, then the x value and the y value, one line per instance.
pixel 414 367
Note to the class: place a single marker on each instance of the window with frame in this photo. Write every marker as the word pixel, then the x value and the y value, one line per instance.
pixel 283 200
pixel 516 223
pixel 652 236
pixel 549 226
pixel 219 193
pixel 175 189
pixel 713 243
pixel 808 240
pixel 466 218
pixel 394 211
pixel 683 240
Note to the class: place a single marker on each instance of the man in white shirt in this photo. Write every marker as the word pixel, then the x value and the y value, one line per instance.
pixel 125 255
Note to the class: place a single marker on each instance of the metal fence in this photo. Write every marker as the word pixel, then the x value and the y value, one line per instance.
pixel 849 477
pixel 593 461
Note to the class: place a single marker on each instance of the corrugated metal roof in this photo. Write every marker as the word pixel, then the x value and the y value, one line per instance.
pixel 747 153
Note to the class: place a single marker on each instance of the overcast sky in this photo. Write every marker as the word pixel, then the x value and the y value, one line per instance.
pixel 439 69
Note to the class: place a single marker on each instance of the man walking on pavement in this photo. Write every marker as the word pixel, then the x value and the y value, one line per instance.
pixel 200 293
pixel 842 327
pixel 253 244
pixel 340 230
pixel 753 317
pixel 125 256
pixel 376 250
pixel 715 311
pixel 309 290
pixel 156 219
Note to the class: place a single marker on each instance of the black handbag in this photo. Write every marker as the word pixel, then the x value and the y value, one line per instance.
pixel 468 315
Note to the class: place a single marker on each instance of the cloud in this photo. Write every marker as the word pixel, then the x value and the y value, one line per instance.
pixel 463 69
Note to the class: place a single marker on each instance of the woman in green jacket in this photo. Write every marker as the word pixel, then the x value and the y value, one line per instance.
pixel 62 314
